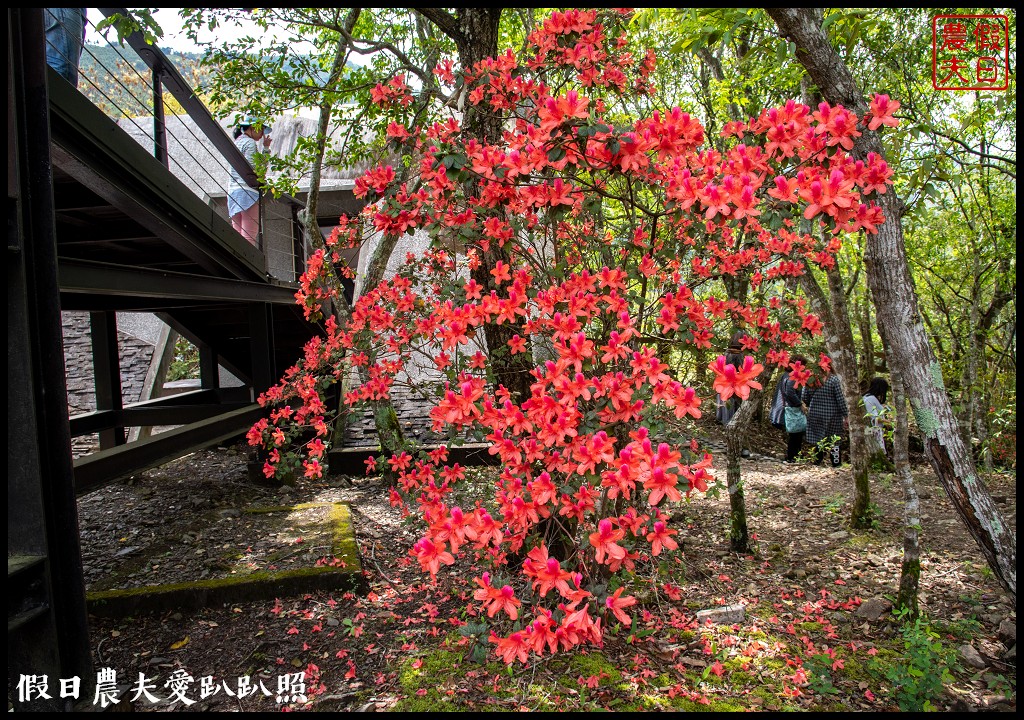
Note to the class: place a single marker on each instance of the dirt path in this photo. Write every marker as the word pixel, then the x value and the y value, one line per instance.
pixel 809 590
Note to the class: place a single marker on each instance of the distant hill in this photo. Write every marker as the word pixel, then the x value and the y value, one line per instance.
pixel 120 83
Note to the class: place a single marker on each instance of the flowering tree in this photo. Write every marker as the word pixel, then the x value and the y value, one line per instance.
pixel 618 233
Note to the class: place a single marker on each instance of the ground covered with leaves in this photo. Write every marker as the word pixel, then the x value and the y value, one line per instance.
pixel 816 631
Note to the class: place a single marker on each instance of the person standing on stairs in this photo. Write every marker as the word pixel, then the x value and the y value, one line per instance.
pixel 244 201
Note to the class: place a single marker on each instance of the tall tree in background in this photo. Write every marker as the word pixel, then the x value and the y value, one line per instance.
pixel 395 41
pixel 897 311
pixel 475 32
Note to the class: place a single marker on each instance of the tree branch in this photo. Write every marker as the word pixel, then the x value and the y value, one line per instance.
pixel 971 150
pixel 445 21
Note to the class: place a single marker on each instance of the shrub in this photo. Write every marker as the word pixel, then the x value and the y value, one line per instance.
pixel 595 246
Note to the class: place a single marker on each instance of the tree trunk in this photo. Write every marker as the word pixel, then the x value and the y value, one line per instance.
pixel 735 434
pixel 846 355
pixel 897 312
pixel 389 431
pixel 867 341
pixel 839 341
pixel 974 394
pixel 475 32
pixel 969 378
pixel 910 567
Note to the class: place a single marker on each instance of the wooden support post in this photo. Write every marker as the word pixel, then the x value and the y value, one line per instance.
pixel 209 371
pixel 261 342
pixel 106 364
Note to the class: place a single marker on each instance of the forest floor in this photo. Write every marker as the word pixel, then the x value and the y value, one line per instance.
pixel 818 631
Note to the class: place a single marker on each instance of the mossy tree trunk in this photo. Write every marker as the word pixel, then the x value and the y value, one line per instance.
pixel 910 567
pixel 735 434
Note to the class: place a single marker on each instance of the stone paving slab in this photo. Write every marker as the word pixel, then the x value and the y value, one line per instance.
pixel 345 574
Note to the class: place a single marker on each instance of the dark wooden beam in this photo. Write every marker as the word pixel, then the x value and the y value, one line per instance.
pixel 190 406
pixel 84 277
pixel 100 468
pixel 48 629
pixel 106 365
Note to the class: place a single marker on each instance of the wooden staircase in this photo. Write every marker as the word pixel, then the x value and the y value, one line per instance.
pixel 130 236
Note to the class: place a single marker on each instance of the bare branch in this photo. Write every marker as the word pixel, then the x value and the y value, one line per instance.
pixel 971 150
pixel 444 20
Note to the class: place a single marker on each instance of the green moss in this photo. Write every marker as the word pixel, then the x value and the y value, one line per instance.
pixel 592 665
pixel 339 521
pixel 263 509
pixel 259 576
pixel 432 702
pixel 861 539
pixel 540 699
pixel 645 702
pixel 768 694
pixel 736 675
pixel 439 667
pixel 926 420
pixel 770 663
pixel 436 667
pixel 687 705
pixel 662 681
pixel 808 627
pixel 856 671
pixel 343 537
pixel 739 675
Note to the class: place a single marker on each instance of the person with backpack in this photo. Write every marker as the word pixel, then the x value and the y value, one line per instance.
pixel 789 413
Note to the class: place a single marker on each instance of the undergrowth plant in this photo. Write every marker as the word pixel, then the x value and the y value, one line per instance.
pixel 918 676
pixel 617 238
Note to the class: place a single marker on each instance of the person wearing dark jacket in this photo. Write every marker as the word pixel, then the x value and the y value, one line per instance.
pixel 826 418
pixel 791 399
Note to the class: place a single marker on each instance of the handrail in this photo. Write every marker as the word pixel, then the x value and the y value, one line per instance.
pixel 179 88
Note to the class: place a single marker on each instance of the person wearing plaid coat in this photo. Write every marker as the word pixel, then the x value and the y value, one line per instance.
pixel 826 414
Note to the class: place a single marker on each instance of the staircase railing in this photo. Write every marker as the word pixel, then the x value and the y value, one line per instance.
pixel 129 85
